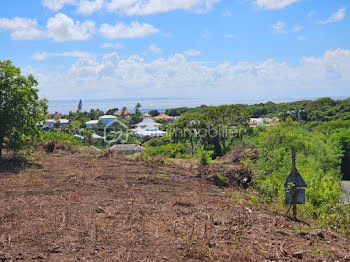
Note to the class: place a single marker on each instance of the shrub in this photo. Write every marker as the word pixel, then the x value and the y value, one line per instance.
pixel 66 140
pixel 318 161
pixel 168 150
pixel 204 158
pixel 157 141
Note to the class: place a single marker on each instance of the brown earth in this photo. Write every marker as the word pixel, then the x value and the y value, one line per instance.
pixel 80 207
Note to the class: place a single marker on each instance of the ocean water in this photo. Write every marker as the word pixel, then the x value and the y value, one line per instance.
pixel 161 104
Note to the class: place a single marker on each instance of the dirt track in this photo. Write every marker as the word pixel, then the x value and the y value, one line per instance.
pixel 78 207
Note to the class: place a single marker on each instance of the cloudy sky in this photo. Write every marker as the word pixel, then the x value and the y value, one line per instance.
pixel 233 49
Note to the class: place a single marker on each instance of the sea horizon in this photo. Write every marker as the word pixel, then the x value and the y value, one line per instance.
pixel 158 103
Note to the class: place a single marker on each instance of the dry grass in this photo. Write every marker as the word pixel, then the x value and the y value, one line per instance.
pixel 70 207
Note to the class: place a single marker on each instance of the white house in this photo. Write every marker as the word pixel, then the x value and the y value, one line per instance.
pixel 256 121
pixel 260 121
pixel 105 121
pixel 149 131
pixel 147 122
pixel 268 120
pixel 50 123
pixel 91 123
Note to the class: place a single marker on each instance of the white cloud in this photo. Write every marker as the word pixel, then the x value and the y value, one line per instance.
pixel 297 28
pixel 274 4
pixel 230 36
pixel 111 76
pixel 336 17
pixel 57 4
pixel 59 28
pixel 112 45
pixel 148 7
pixel 21 28
pixel 88 7
pixel 63 28
pixel 279 28
pixel 154 49
pixel 192 52
pixel 134 30
pixel 44 55
pixel 302 38
pixel 133 7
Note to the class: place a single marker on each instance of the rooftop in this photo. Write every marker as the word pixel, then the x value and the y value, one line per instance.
pixel 92 122
pixel 163 116
pixel 120 113
pixel 107 117
pixel 127 147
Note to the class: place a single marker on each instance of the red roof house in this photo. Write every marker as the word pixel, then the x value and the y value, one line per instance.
pixel 163 116
pixel 125 113
pixel 56 115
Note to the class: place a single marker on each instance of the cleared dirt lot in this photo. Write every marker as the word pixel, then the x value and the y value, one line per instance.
pixel 80 207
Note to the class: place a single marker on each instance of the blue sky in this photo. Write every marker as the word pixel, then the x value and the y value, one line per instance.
pixel 233 49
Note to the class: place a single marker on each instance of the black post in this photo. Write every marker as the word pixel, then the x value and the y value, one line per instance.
pixel 295 185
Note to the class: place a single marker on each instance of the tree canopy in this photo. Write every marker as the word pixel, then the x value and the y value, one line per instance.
pixel 21 109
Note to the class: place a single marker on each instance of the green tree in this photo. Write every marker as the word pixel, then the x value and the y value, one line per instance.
pixel 225 123
pixel 95 114
pixel 154 112
pixel 112 111
pixel 137 109
pixel 80 106
pixel 123 114
pixel 318 161
pixel 20 108
pixel 57 124
pixel 135 119
pixel 187 128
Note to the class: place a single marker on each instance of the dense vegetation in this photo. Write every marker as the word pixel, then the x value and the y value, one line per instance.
pixel 329 117
pixel 322 140
pixel 20 109
pixel 322 109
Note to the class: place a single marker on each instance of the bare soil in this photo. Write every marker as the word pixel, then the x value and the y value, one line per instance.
pixel 81 207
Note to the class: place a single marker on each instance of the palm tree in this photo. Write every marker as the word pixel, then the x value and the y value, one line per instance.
pixel 80 106
pixel 137 109
pixel 112 111
pixel 123 114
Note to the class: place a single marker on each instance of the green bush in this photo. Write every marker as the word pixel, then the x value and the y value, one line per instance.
pixel 318 161
pixel 204 158
pixel 60 138
pixel 168 150
pixel 157 141
pixel 336 217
